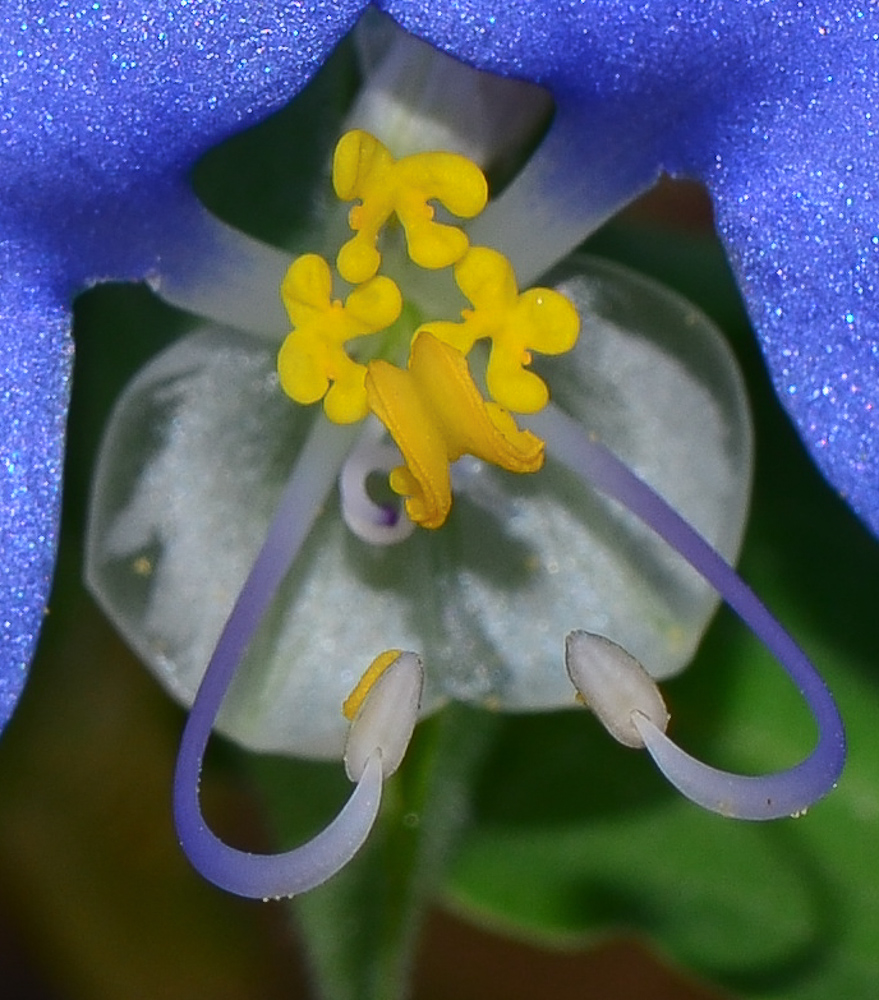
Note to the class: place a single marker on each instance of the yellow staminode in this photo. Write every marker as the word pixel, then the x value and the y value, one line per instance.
pixel 435 414
pixel 363 168
pixel 313 356
pixel 379 665
pixel 539 319
pixel 432 409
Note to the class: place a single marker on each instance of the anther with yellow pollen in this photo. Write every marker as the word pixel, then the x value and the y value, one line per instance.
pixel 351 705
pixel 313 356
pixel 363 168
pixel 383 709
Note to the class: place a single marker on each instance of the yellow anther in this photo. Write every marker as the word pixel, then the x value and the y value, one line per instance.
pixel 313 355
pixel 435 414
pixel 379 665
pixel 540 320
pixel 363 168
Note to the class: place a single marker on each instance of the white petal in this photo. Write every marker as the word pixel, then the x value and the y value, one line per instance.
pixel 190 470
pixel 541 556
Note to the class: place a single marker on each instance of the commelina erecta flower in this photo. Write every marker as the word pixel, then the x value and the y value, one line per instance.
pixel 107 106
pixel 217 537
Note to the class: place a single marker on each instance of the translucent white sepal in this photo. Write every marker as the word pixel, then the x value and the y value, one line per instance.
pixel 387 717
pixel 614 685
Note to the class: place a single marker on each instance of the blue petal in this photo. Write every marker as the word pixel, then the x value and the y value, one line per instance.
pixel 798 205
pixel 35 357
pixel 771 104
pixel 107 106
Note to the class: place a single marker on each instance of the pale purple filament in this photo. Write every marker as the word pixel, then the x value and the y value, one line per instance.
pixel 303 868
pixel 766 797
pixel 378 524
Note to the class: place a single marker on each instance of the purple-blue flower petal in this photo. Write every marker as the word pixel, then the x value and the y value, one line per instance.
pixel 797 197
pixel 107 105
pixel 105 108
pixel 774 106
pixel 35 359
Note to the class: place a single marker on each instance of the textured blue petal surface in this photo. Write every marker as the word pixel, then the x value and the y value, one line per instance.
pixel 797 196
pixel 773 105
pixel 35 358
pixel 105 107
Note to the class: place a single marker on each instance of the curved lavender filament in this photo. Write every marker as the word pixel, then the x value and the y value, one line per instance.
pixel 378 524
pixel 771 796
pixel 258 875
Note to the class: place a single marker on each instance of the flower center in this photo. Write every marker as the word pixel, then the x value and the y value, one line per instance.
pixel 432 408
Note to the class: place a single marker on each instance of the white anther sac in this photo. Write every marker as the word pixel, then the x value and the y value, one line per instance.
pixel 614 685
pixel 385 720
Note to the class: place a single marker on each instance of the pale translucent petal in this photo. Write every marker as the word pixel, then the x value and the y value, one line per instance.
pixel 190 470
pixel 654 381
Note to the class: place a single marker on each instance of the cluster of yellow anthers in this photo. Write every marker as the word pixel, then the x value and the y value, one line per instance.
pixel 432 409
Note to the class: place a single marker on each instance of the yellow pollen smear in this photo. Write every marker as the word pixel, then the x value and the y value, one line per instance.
pixel 313 356
pixel 539 319
pixel 363 168
pixel 435 414
pixel 379 665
